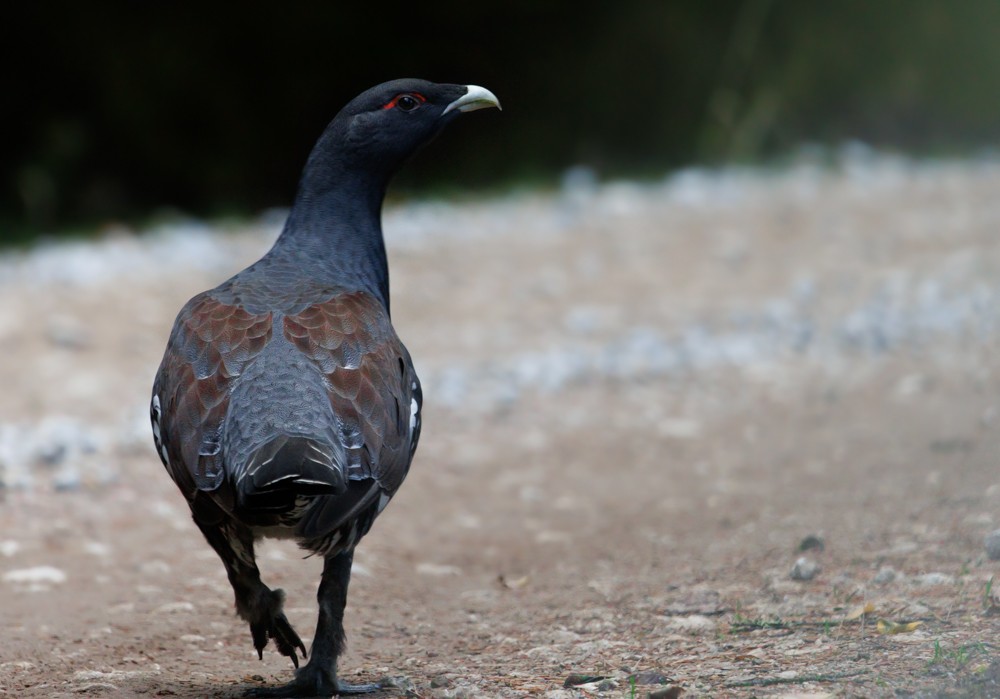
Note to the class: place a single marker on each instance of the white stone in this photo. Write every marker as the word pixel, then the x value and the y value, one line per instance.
pixel 38 574
pixel 174 608
pixel 804 569
pixel 932 579
pixel 437 569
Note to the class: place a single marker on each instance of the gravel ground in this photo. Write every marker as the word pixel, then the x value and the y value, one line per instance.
pixel 729 434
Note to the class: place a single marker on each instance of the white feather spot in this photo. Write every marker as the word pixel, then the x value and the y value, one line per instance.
pixel 414 411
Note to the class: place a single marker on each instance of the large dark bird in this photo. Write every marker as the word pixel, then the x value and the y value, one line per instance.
pixel 285 404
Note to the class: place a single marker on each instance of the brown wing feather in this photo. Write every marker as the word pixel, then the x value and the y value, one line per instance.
pixel 370 378
pixel 209 346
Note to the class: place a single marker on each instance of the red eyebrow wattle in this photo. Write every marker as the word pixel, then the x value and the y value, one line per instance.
pixel 392 103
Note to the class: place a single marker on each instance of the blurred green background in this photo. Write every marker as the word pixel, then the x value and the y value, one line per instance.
pixel 114 111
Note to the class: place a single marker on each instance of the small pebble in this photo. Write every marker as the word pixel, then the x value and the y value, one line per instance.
pixel 804 569
pixel 932 579
pixel 667 692
pixel 67 334
pixel 440 681
pixel 992 543
pixel 155 567
pixel 884 576
pixel 17 665
pixel 174 608
pixel 812 543
pixel 67 480
pixel 437 569
pixel 693 622
pixel 401 682
pixel 649 677
pixel 96 548
pixel 97 688
pixel 38 574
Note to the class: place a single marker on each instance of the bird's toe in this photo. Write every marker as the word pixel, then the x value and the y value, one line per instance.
pixel 347 688
pixel 285 638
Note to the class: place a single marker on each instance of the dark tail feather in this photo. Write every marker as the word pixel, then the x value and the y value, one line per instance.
pixel 286 468
pixel 329 514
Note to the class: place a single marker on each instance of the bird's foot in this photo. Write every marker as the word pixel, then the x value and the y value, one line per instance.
pixel 271 623
pixel 311 682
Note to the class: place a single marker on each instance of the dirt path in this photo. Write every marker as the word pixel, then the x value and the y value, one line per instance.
pixel 640 401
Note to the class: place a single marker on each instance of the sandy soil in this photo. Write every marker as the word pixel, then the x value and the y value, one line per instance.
pixel 640 400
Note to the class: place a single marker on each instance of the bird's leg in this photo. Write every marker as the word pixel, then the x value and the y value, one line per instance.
pixel 330 639
pixel 256 603
pixel 319 676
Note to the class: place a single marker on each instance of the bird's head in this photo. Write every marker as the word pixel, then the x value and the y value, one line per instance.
pixel 380 128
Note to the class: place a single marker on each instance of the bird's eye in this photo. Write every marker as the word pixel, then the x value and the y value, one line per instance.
pixel 407 102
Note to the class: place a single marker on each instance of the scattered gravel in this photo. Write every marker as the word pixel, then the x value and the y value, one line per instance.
pixel 639 397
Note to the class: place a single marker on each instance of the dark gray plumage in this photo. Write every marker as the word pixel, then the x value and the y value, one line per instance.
pixel 285 404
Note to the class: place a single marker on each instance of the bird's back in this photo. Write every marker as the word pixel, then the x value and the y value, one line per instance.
pixel 287 403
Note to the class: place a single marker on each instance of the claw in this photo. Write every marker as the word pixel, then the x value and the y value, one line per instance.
pixel 285 638
pixel 274 625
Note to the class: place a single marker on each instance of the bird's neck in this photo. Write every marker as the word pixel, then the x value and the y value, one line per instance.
pixel 335 225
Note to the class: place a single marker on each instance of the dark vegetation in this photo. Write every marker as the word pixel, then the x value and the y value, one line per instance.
pixel 114 111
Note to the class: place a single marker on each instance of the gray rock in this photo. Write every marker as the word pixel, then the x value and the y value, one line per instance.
pixel 398 682
pixel 932 579
pixel 812 543
pixel 667 692
pixel 67 480
pixel 649 677
pixel 992 543
pixel 67 334
pixel 804 569
pixel 884 576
